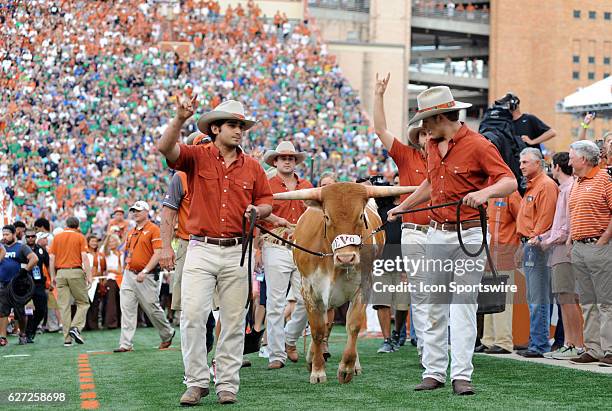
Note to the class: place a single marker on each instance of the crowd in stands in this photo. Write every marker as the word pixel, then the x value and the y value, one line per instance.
pixel 88 89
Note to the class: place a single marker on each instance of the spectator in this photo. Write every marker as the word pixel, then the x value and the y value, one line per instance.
pixel 71 274
pixel 114 274
pixel 20 228
pixel 535 218
pixel 563 277
pixel 98 269
pixel 590 206
pixel 531 129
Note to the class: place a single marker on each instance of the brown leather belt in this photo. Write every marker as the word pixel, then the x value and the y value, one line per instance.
pixel 417 227
pixel 589 240
pixel 222 242
pixel 453 226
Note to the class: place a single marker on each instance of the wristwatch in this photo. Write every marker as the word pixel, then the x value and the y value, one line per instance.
pixel 145 271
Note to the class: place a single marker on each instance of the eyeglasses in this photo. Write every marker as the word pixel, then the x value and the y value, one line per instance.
pixel 30 236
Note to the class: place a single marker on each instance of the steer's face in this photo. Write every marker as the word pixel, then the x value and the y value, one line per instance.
pixel 343 207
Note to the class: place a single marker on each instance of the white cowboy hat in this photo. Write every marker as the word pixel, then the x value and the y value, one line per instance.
pixel 285 148
pixel 413 133
pixel 436 100
pixel 228 110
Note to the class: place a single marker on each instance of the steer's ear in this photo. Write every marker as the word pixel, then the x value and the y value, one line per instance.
pixel 314 204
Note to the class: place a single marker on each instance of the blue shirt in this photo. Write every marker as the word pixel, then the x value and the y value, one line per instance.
pixel 10 265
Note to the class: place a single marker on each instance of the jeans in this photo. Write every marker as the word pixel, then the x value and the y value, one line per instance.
pixel 539 297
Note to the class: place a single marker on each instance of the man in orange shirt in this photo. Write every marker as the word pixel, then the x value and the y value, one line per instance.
pixel 279 268
pixel 535 218
pixel 590 207
pixel 502 213
pixel 411 162
pixel 118 224
pixel 71 275
pixel 140 281
pixel 462 165
pixel 227 185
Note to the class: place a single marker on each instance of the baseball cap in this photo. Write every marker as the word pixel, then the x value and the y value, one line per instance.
pixel 42 235
pixel 118 210
pixel 140 205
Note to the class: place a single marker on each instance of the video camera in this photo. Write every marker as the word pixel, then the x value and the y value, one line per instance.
pixel 509 101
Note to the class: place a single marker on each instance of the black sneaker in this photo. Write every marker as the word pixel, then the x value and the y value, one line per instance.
pixel 74 333
pixel 23 340
pixel 30 340
pixel 395 340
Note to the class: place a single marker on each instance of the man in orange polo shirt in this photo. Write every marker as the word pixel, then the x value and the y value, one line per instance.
pixel 71 275
pixel 535 218
pixel 411 162
pixel 140 280
pixel 590 207
pixel 226 185
pixel 279 267
pixel 461 164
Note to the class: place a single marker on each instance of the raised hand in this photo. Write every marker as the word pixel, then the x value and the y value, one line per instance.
pixel 185 107
pixel 381 84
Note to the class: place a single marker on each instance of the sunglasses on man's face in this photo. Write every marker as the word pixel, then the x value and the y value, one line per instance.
pixel 30 236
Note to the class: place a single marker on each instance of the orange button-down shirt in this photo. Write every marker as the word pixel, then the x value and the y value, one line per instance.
pixel 141 244
pixel 290 210
pixel 590 204
pixel 538 206
pixel 471 163
pixel 220 194
pixel 412 167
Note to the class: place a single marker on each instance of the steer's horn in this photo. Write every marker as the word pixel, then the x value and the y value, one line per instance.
pixel 385 191
pixel 305 194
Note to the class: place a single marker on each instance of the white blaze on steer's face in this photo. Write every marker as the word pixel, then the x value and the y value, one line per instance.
pixel 343 208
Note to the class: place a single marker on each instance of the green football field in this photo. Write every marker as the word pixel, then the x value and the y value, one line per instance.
pixel 152 379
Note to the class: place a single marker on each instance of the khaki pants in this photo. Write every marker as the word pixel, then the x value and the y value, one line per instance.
pixel 592 269
pixel 71 283
pixel 208 266
pixel 178 274
pixel 498 327
pixel 146 294
pixel 281 271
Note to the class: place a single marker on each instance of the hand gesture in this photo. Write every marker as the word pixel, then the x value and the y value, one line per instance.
pixel 588 118
pixel 381 84
pixel 185 107
pixel 167 259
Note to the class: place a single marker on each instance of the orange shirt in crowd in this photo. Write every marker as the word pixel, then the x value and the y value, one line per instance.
pixel 471 163
pixel 538 206
pixel 412 167
pixel 590 204
pixel 289 210
pixel 141 245
pixel 67 247
pixel 221 193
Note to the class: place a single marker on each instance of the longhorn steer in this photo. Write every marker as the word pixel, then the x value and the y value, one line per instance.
pixel 337 221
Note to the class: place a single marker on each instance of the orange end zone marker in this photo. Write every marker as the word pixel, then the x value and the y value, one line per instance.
pixel 86 379
pixel 90 395
pixel 85 374
pixel 90 404
pixel 88 387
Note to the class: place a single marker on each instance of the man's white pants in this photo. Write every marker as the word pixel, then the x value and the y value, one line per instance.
pixel 280 271
pixel 444 246
pixel 413 248
pixel 208 266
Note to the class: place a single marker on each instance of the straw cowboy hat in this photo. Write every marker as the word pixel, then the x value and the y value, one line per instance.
pixel 285 148
pixel 436 100
pixel 413 133
pixel 228 110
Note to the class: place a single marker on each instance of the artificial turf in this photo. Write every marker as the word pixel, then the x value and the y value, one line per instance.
pixel 151 379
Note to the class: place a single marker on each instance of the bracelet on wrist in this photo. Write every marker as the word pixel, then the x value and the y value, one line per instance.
pixel 585 125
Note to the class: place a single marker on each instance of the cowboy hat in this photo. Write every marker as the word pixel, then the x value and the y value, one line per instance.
pixel 285 148
pixel 436 100
pixel 413 133
pixel 228 110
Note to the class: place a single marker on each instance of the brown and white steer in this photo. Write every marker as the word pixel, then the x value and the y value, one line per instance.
pixel 337 221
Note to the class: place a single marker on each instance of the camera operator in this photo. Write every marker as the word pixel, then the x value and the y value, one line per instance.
pixel 530 128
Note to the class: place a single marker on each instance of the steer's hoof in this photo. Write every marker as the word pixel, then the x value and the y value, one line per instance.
pixel 309 366
pixel 318 377
pixel 358 371
pixel 345 376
